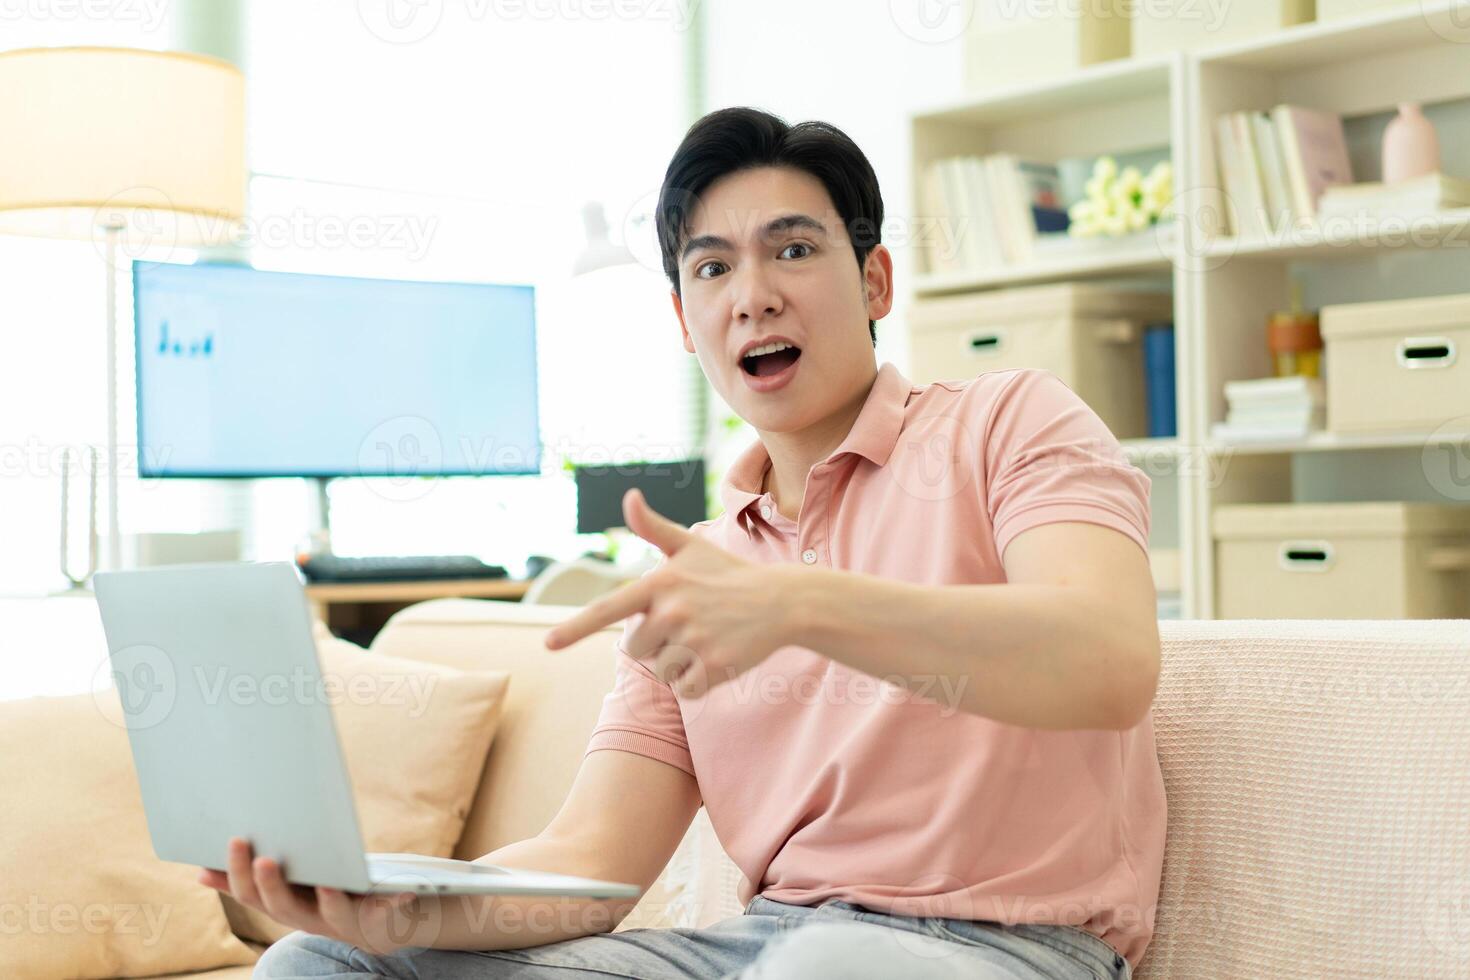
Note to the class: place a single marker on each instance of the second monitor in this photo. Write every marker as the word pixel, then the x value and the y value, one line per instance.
pixel 675 489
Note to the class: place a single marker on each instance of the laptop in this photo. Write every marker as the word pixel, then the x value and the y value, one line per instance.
pixel 232 734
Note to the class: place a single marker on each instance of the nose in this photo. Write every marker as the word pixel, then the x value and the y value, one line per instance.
pixel 756 296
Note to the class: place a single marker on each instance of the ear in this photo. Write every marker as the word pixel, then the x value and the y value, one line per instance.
pixel 878 282
pixel 679 312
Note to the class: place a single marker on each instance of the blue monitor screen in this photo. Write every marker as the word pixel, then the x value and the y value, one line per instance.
pixel 244 373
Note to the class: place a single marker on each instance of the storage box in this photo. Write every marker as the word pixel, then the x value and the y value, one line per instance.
pixel 1009 43
pixel 1183 25
pixel 1089 336
pixel 1378 560
pixel 1397 364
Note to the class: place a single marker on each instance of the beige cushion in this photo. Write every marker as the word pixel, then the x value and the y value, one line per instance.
pixel 1319 805
pixel 415 751
pixel 77 869
pixel 549 711
pixel 223 973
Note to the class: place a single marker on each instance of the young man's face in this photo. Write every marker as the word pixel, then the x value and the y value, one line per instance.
pixel 768 260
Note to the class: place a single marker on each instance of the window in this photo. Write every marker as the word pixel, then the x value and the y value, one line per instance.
pixel 478 144
pixel 467 153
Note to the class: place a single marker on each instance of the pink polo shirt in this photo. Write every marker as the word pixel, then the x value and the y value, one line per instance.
pixel 824 782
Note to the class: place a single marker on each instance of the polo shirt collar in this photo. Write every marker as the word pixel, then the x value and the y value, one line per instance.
pixel 873 435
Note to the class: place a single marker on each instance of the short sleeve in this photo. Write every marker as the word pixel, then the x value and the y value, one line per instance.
pixel 641 714
pixel 1049 458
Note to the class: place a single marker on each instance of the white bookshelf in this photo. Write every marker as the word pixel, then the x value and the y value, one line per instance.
pixel 1224 288
pixel 1352 240
pixel 1143 256
pixel 1336 442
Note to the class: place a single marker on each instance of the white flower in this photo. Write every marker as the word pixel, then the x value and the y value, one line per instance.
pixel 1156 199
pixel 1119 201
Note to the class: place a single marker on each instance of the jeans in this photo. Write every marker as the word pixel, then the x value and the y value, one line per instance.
pixel 771 941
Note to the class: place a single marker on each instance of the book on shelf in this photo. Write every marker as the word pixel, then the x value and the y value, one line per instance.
pixel 987 253
pixel 1272 408
pixel 1425 194
pixel 1251 202
pixel 1233 176
pixel 1002 210
pixel 1275 165
pixel 1293 389
pixel 1272 167
pixel 941 245
pixel 997 206
pixel 1251 431
pixel 1314 150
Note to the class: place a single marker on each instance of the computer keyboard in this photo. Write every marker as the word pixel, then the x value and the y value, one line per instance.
pixel 395 568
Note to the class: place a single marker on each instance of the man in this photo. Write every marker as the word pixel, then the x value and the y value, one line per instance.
pixel 907 671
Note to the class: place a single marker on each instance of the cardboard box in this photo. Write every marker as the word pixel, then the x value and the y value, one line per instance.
pixel 1009 43
pixel 1089 336
pixel 1187 25
pixel 1407 356
pixel 1375 560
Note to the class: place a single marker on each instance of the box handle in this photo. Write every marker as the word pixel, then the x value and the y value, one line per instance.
pixel 985 343
pixel 1117 332
pixel 1305 556
pixel 1448 559
pixel 1425 352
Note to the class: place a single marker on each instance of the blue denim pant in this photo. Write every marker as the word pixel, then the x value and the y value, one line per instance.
pixel 771 941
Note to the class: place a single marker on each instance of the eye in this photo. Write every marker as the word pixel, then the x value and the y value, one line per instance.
pixel 699 270
pixel 803 245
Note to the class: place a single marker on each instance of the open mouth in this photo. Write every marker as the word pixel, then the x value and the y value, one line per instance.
pixel 771 359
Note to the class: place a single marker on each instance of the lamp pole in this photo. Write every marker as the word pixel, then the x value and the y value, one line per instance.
pixel 111 231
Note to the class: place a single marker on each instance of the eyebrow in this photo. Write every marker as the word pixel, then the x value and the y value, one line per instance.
pixel 787 222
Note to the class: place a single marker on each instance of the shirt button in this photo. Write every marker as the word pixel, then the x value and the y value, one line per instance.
pixel 766 511
pixel 809 556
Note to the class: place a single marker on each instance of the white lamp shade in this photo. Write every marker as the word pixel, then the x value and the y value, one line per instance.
pixel 149 143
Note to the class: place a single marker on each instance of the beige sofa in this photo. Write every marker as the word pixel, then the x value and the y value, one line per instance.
pixel 1318 777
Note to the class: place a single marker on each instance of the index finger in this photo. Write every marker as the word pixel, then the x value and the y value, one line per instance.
pixel 616 605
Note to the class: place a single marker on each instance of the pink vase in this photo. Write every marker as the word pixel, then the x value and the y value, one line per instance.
pixel 1410 145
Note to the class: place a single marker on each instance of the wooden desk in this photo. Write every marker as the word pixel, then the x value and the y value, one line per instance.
pixel 357 610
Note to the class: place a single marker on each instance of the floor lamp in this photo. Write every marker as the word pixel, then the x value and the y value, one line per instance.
pixel 129 148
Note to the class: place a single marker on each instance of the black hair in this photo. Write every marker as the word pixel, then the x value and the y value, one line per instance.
pixel 740 138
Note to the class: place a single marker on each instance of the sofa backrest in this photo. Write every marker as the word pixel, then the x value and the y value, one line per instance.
pixel 1317 775
pixel 551 705
pixel 1318 784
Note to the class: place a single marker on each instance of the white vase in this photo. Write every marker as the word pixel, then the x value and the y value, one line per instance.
pixel 1410 145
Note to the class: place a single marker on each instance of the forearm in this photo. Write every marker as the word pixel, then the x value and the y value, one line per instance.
pixel 488 922
pixel 1039 656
